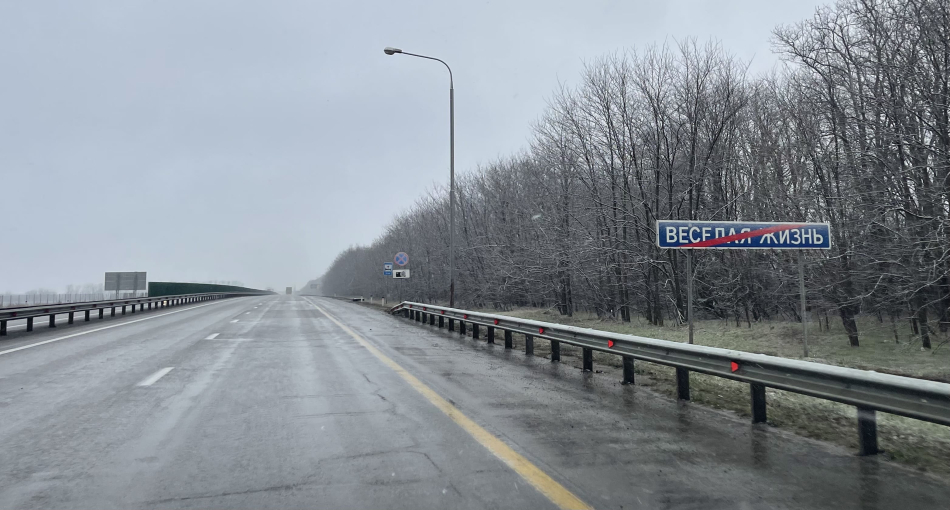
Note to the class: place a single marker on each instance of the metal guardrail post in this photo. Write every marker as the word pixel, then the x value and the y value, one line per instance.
pixel 628 374
pixel 588 360
pixel 112 313
pixel 474 331
pixel 406 313
pixel 555 351
pixel 52 320
pixel 29 324
pixel 86 318
pixel 867 431
pixel 70 319
pixel 508 342
pixel 432 319
pixel 491 335
pixel 102 312
pixel 451 324
pixel 758 402
pixel 123 309
pixel 528 345
pixel 441 322
pixel 462 328
pixel 3 328
pixel 682 383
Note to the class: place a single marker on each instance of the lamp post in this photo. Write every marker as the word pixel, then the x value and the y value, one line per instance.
pixel 394 51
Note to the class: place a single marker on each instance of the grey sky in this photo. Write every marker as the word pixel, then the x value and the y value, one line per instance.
pixel 254 140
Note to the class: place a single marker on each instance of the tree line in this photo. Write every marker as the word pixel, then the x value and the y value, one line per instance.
pixel 853 130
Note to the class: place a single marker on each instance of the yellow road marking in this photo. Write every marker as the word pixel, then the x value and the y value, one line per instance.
pixel 538 479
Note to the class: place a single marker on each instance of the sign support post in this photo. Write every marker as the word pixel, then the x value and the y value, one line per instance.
pixel 689 290
pixel 801 290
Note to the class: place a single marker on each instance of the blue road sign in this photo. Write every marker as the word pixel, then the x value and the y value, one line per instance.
pixel 387 272
pixel 401 258
pixel 742 235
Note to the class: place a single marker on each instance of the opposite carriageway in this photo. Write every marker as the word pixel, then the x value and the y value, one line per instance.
pixel 29 313
pixel 868 391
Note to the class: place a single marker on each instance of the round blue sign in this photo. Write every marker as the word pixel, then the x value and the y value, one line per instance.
pixel 401 258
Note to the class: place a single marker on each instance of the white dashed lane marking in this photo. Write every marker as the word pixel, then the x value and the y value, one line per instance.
pixel 152 379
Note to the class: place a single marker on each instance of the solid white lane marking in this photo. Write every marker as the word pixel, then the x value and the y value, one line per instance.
pixel 235 320
pixel 212 336
pixel 8 351
pixel 152 379
pixel 247 313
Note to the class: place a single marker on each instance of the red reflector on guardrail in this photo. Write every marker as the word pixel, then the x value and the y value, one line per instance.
pixel 464 315
pixel 610 343
pixel 496 322
pixel 410 306
pixel 443 312
pixel 734 366
pixel 424 308
pixel 541 330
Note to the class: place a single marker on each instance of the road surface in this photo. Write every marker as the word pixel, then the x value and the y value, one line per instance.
pixel 292 402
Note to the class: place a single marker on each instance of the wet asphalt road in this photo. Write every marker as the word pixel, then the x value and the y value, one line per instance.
pixel 267 403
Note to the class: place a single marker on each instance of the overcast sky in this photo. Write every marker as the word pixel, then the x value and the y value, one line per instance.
pixel 254 140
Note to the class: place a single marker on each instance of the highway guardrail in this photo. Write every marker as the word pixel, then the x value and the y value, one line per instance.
pixel 31 312
pixel 868 391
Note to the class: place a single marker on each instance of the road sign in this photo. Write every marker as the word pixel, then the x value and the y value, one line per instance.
pixel 401 258
pixel 132 280
pixel 387 272
pixel 742 235
pixel 388 266
pixel 401 273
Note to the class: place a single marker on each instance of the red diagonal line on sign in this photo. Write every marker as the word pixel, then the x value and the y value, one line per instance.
pixel 741 236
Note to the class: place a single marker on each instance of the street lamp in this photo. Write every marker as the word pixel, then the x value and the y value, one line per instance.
pixel 392 51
